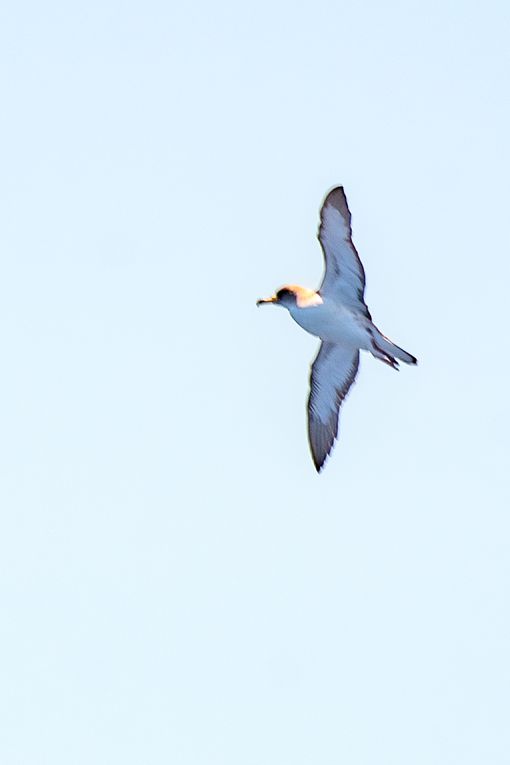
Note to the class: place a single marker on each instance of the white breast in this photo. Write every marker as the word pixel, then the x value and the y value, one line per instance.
pixel 332 322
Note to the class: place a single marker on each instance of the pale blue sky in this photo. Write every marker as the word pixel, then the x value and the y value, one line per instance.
pixel 177 584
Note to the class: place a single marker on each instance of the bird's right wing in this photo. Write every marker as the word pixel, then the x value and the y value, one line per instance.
pixel 344 276
pixel 333 372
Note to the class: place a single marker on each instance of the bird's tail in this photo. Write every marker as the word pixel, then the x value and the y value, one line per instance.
pixel 384 349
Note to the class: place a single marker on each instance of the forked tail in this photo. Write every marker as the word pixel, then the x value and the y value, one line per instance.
pixel 388 352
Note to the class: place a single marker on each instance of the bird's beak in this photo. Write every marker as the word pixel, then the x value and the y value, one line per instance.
pixel 273 299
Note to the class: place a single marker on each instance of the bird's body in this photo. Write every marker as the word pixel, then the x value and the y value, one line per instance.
pixel 338 315
pixel 332 321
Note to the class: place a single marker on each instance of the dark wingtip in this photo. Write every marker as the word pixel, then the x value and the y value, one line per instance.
pixel 337 198
pixel 336 191
pixel 319 463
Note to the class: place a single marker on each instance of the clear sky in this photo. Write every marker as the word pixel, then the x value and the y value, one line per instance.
pixel 177 583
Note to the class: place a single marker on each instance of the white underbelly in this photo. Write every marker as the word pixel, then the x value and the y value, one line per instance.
pixel 337 325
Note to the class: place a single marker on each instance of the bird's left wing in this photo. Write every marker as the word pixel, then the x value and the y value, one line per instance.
pixel 344 276
pixel 333 372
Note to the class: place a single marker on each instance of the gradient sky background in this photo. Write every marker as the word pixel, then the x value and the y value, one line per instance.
pixel 177 584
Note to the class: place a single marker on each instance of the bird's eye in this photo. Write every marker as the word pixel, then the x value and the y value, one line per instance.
pixel 282 293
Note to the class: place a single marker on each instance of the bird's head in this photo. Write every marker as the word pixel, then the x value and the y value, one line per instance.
pixel 285 296
pixel 291 295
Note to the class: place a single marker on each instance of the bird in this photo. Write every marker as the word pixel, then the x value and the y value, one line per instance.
pixel 338 315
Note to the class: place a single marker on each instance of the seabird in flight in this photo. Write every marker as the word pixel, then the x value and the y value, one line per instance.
pixel 338 315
